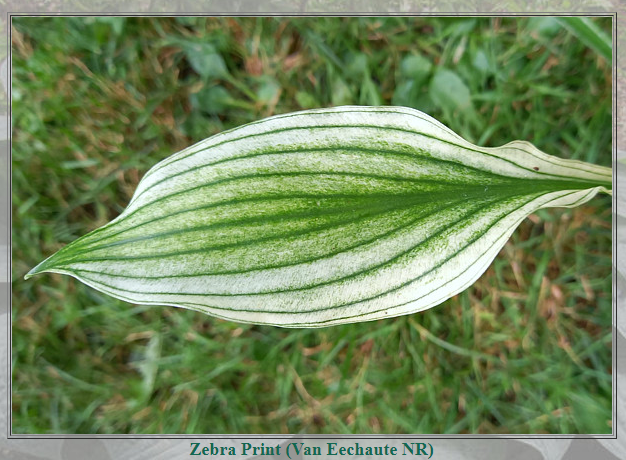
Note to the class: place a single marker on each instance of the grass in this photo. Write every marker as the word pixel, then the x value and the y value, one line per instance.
pixel 98 101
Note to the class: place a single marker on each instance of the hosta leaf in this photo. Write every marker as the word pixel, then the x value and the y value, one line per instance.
pixel 322 217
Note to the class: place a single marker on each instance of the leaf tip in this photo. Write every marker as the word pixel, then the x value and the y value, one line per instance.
pixel 34 271
pixel 43 266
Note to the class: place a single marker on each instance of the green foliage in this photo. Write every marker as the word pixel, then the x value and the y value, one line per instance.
pixel 97 101
pixel 590 34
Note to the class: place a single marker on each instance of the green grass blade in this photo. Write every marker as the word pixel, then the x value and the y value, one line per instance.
pixel 590 34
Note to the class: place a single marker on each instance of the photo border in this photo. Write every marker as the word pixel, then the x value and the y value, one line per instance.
pixel 144 446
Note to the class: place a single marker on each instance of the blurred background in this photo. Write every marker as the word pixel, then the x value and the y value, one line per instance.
pixel 97 101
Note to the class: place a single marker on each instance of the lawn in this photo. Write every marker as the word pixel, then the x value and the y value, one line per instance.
pixel 97 101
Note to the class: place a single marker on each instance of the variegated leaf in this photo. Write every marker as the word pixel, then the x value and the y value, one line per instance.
pixel 322 217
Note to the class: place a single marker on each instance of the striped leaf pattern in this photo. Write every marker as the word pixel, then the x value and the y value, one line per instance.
pixel 322 217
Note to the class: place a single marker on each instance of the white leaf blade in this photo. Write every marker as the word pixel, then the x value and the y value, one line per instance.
pixel 322 217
